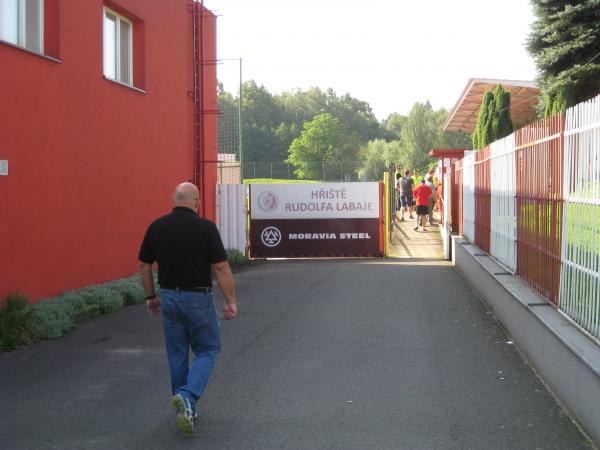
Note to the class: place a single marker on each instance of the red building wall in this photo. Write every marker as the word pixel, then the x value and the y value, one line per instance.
pixel 92 162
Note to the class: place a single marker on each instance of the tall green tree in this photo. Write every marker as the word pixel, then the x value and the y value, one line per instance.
pixel 502 124
pixel 493 121
pixel 392 126
pixel 565 44
pixel 377 156
pixel 482 135
pixel 316 146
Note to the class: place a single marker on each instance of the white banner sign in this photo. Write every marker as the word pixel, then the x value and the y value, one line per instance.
pixel 314 201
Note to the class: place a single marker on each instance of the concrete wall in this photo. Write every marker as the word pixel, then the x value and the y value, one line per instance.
pixel 92 162
pixel 566 358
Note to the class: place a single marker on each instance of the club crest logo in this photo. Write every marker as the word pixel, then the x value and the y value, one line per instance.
pixel 271 237
pixel 268 201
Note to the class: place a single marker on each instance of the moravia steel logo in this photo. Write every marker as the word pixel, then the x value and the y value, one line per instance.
pixel 271 237
pixel 268 201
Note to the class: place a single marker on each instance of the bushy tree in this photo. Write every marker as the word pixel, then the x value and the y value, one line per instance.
pixel 419 132
pixel 377 156
pixel 315 146
pixel 392 126
pixel 565 44
pixel 502 124
pixel 493 121
pixel 482 135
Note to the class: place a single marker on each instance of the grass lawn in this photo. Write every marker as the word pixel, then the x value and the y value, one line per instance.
pixel 276 181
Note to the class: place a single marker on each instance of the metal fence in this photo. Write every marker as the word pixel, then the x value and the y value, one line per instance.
pixel 539 172
pixel 314 170
pixel 231 216
pixel 579 294
pixel 468 196
pixel 482 199
pixel 456 187
pixel 541 195
pixel 503 215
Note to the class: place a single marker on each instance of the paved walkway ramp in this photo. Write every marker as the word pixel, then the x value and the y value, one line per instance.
pixel 327 354
pixel 408 243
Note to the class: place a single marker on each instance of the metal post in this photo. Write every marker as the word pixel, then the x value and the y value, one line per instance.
pixel 241 147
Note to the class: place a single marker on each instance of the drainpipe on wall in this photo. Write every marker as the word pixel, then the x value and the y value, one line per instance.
pixel 198 78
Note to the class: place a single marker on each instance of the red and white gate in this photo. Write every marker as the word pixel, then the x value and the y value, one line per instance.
pixel 308 220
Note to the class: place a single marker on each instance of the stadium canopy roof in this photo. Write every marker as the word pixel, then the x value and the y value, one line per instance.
pixel 523 99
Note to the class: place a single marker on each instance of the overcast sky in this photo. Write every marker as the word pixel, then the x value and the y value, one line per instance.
pixel 390 53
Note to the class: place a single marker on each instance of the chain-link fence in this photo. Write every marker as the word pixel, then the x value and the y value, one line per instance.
pixel 228 122
pixel 314 170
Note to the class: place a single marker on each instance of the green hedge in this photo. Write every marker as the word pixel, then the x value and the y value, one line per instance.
pixel 22 323
pixel 17 322
pixel 236 258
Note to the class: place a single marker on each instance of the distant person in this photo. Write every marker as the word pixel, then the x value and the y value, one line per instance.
pixel 421 194
pixel 416 181
pixel 416 177
pixel 432 197
pixel 398 175
pixel 405 188
pixel 186 248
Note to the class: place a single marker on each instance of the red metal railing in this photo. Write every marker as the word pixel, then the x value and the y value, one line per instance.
pixel 539 167
pixel 482 199
pixel 456 218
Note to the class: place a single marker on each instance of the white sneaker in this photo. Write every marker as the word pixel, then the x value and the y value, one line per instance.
pixel 185 414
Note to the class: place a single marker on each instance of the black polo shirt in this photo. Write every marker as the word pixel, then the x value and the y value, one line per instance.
pixel 184 246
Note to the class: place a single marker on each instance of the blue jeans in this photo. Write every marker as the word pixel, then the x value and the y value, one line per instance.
pixel 190 321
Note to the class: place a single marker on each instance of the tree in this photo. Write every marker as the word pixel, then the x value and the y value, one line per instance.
pixel 392 126
pixel 483 129
pixel 493 121
pixel 565 45
pixel 315 146
pixel 377 156
pixel 502 124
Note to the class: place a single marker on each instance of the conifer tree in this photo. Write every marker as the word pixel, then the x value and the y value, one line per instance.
pixel 501 122
pixel 565 44
pixel 483 131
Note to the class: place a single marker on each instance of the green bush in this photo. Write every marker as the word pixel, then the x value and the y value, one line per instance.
pixel 131 290
pixel 54 317
pixel 236 258
pixel 75 300
pixel 21 323
pixel 17 322
pixel 107 300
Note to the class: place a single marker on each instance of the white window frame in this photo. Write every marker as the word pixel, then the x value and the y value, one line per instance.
pixel 117 49
pixel 22 25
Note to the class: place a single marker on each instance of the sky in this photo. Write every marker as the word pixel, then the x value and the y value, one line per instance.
pixel 389 53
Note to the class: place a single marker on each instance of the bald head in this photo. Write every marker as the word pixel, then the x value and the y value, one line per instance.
pixel 187 195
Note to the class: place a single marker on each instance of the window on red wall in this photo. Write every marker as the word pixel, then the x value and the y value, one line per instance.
pixel 31 25
pixel 122 46
pixel 22 23
pixel 117 52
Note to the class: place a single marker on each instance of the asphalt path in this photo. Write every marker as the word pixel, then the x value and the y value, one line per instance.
pixel 330 354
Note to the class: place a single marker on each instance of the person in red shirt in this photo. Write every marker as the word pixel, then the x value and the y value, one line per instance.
pixel 421 194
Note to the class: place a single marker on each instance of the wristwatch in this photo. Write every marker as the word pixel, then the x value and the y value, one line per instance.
pixel 151 297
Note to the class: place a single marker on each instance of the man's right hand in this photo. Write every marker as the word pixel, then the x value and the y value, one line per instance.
pixel 229 311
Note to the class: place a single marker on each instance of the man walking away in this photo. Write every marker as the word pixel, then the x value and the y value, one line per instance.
pixel 405 185
pixel 186 248
pixel 432 197
pixel 422 193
